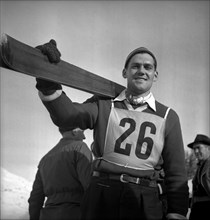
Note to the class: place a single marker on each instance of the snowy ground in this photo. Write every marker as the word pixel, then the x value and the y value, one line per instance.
pixel 15 192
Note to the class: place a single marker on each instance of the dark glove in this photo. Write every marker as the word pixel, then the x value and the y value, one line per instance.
pixel 47 87
pixel 50 49
pixel 53 54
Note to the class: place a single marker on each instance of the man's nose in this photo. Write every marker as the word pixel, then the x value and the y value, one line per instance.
pixel 141 69
pixel 196 150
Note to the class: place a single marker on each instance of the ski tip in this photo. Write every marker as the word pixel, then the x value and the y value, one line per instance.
pixel 3 39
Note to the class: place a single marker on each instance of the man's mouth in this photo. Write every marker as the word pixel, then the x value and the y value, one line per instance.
pixel 139 78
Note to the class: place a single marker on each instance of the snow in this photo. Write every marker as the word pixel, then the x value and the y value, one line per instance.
pixel 15 191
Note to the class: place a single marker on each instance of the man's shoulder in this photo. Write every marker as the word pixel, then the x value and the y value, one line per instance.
pixel 50 153
pixel 79 148
pixel 97 98
pixel 161 109
pixel 207 164
pixel 160 106
pixel 165 111
pixel 75 145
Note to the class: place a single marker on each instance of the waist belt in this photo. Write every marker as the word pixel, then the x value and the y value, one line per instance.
pixel 125 178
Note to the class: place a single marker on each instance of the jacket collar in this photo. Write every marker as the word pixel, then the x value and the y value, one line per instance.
pixel 149 99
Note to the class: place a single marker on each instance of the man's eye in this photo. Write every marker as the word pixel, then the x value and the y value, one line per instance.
pixel 148 66
pixel 135 67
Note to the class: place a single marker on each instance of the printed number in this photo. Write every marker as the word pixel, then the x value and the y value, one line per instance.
pixel 144 144
pixel 130 130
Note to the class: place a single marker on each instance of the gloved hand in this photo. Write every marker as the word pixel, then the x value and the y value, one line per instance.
pixel 53 54
pixel 47 87
pixel 50 49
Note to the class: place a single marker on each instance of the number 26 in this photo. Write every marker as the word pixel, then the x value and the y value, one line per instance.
pixel 142 141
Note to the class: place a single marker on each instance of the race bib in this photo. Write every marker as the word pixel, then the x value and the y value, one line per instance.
pixel 134 139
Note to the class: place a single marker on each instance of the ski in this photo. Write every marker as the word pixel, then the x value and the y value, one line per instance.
pixel 28 60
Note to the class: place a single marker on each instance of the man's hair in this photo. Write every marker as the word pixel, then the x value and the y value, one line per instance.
pixel 140 50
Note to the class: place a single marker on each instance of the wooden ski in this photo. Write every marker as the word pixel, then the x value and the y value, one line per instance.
pixel 25 59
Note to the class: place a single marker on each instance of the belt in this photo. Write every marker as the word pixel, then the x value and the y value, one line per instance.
pixel 125 178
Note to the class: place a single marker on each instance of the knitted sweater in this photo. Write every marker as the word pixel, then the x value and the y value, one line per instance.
pixel 95 114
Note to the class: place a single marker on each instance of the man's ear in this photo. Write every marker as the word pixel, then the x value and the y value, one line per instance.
pixel 74 132
pixel 124 73
pixel 155 76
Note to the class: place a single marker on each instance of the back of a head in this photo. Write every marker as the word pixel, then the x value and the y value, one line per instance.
pixel 76 133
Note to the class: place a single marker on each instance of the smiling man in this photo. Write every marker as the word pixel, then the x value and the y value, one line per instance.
pixel 140 71
pixel 135 136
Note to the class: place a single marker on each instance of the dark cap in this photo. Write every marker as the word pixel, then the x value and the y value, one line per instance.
pixel 200 139
pixel 140 50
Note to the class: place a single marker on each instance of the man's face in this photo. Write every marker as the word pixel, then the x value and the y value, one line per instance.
pixel 140 74
pixel 202 151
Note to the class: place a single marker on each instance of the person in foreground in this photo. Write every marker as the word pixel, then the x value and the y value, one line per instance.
pixel 133 133
pixel 62 177
pixel 201 182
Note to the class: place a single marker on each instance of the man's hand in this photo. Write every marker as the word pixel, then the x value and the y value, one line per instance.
pixel 50 49
pixel 47 87
pixel 53 54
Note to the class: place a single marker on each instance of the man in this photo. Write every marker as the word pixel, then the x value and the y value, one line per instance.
pixel 131 133
pixel 201 182
pixel 62 177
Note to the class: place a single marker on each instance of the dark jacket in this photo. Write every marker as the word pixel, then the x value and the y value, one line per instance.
pixel 62 176
pixel 201 192
pixel 201 181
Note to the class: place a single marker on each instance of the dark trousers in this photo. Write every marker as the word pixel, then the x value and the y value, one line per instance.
pixel 112 199
pixel 200 210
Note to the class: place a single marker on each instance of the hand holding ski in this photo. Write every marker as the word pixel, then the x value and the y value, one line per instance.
pixel 22 58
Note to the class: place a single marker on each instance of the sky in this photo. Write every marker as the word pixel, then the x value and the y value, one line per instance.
pixel 98 36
